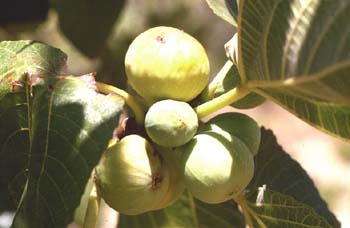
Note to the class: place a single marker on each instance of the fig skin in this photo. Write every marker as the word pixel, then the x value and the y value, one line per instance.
pixel 80 211
pixel 238 124
pixel 171 123
pixel 216 169
pixel 166 63
pixel 130 176
pixel 172 161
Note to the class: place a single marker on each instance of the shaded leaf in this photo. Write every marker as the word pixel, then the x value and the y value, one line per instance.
pixel 291 198
pixel 88 24
pixel 279 210
pixel 52 131
pixel 232 80
pixel 299 49
pixel 188 212
pixel 6 202
pixel 226 9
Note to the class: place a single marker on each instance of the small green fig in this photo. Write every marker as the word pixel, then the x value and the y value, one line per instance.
pixel 172 159
pixel 171 123
pixel 238 124
pixel 216 169
pixel 130 176
pixel 166 63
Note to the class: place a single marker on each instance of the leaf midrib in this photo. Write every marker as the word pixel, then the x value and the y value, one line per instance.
pixel 297 80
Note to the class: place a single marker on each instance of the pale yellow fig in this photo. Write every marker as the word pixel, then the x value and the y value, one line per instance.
pixel 171 123
pixel 130 176
pixel 172 159
pixel 216 168
pixel 166 63
pixel 80 211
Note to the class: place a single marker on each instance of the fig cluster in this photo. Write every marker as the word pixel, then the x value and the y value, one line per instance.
pixel 149 171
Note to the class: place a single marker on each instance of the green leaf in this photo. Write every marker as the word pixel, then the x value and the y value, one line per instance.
pixel 299 50
pixel 88 24
pixel 226 9
pixel 279 210
pixel 53 130
pixel 6 203
pixel 232 80
pixel 331 118
pixel 290 199
pixel 188 212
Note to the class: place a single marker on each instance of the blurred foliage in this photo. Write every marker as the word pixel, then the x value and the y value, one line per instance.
pixel 17 12
pixel 84 48
pixel 87 24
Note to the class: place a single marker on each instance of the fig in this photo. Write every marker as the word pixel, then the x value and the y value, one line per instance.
pixel 80 211
pixel 238 124
pixel 172 159
pixel 171 123
pixel 166 63
pixel 130 176
pixel 216 169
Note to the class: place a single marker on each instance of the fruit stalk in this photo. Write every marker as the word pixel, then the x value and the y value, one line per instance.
pixel 92 209
pixel 129 100
pixel 241 201
pixel 208 92
pixel 221 101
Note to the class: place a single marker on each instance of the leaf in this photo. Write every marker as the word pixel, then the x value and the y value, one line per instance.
pixel 290 198
pixel 88 24
pixel 188 212
pixel 331 118
pixel 52 131
pixel 278 210
pixel 300 50
pixel 232 80
pixel 6 203
pixel 226 9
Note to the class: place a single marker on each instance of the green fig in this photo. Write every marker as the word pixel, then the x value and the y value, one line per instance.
pixel 172 159
pixel 130 176
pixel 216 169
pixel 166 63
pixel 171 123
pixel 238 124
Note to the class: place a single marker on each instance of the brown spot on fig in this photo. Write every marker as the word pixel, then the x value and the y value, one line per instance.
pixel 160 39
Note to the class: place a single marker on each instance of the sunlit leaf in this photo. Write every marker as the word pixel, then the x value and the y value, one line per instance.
pixel 226 9
pixel 331 118
pixel 298 52
pixel 53 130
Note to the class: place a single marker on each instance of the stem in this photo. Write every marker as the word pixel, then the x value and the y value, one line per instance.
pixel 92 209
pixel 129 100
pixel 221 101
pixel 209 91
pixel 241 202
